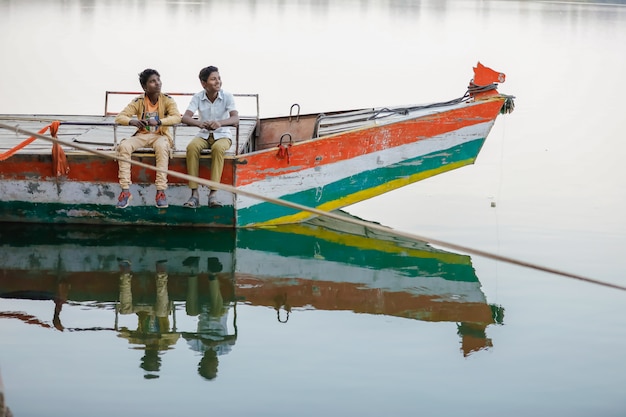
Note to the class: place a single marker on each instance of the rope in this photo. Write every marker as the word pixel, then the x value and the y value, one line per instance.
pixel 59 160
pixel 475 88
pixel 54 127
pixel 235 190
pixel 386 111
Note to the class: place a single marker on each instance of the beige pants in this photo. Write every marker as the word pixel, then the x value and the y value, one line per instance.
pixel 218 150
pixel 161 146
pixel 161 307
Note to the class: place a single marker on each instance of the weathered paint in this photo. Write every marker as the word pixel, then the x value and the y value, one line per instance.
pixel 327 150
pixel 325 173
pixel 89 168
pixel 344 183
pixel 284 267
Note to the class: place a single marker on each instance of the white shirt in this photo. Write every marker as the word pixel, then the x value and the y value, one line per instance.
pixel 214 330
pixel 218 110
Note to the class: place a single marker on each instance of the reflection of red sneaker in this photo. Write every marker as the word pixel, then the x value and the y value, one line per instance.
pixel 124 199
pixel 161 200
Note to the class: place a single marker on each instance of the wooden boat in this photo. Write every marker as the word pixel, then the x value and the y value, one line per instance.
pixel 324 161
pixel 320 264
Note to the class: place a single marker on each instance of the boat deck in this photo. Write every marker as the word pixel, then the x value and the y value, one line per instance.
pixel 101 133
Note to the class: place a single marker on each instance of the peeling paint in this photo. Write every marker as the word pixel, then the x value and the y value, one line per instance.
pixel 34 187
pixel 81 213
pixel 327 173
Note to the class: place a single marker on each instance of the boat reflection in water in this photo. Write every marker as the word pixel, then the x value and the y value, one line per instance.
pixel 153 282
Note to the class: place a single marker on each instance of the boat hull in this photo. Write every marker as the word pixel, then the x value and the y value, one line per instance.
pixel 326 173
pixel 322 264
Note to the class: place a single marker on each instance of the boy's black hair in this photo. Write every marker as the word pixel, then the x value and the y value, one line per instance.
pixel 205 72
pixel 145 74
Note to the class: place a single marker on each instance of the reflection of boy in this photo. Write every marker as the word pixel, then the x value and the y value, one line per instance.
pixel 212 338
pixel 212 325
pixel 153 324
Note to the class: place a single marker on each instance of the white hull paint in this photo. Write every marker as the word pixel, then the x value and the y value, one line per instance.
pixel 260 264
pixel 318 177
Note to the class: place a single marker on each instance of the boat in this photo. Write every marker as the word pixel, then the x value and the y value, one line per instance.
pixel 155 291
pixel 323 161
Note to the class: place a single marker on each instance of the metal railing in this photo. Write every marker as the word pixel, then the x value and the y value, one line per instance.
pixel 136 93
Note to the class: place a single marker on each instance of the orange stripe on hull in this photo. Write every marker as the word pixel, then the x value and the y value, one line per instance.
pixel 328 150
pixel 95 169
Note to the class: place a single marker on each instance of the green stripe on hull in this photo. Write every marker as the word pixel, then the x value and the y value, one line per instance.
pixel 147 239
pixel 363 186
pixel 299 245
pixel 18 211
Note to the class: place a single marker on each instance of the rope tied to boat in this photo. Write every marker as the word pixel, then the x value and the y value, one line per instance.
pixel 472 91
pixel 509 104
pixel 475 88
pixel 54 127
pixel 59 160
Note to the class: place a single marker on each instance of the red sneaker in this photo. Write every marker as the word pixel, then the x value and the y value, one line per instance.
pixel 124 199
pixel 161 200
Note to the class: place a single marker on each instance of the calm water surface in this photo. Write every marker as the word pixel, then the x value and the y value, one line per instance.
pixel 553 169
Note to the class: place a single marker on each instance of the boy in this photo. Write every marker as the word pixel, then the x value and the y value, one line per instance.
pixel 154 112
pixel 216 110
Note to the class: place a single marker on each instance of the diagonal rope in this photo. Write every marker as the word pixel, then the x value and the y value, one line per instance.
pixel 235 190
pixel 54 126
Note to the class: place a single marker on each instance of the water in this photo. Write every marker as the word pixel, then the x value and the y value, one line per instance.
pixel 553 169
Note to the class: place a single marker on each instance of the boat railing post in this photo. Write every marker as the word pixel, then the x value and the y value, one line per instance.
pixel 257 124
pixel 173 310
pixel 117 313
pixel 237 139
pixel 316 127
pixel 237 126
pixel 115 136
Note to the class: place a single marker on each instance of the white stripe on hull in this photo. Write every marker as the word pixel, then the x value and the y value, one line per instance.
pixel 89 192
pixel 318 177
pixel 264 264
